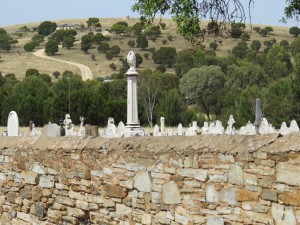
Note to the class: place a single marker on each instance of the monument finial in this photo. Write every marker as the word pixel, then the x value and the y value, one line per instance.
pixel 131 60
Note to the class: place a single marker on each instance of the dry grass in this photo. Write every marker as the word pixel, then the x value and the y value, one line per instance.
pixel 18 61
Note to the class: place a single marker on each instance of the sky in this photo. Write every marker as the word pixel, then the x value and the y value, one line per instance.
pixel 13 12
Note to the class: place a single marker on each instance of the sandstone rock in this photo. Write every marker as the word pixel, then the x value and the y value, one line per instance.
pixel 245 195
pixel 288 172
pixel 39 210
pixel 78 213
pixel 46 181
pixel 82 204
pixel 24 217
pixel 36 193
pixel 181 219
pixel 236 175
pixel 126 183
pixel 70 219
pixel 269 195
pixel 161 218
pixel 146 219
pixel 30 177
pixel 122 211
pixel 26 192
pixel 38 169
pixel 226 158
pixel 142 181
pixel 214 221
pixel 188 162
pixel 64 201
pixel 11 197
pixel 258 217
pixel 250 179
pixel 290 198
pixel 228 195
pixel 107 203
pixel 113 191
pixel 198 174
pixel 170 193
pixel 211 194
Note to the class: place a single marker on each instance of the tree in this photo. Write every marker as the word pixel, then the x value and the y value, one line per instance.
pixel 51 47
pixel 86 43
pixel 294 31
pixel 295 47
pixel 296 91
pixel 269 29
pixel 285 44
pixel 141 42
pixel 38 38
pixel 29 47
pixel 165 55
pixel 171 107
pixel 119 28
pixel 237 29
pixel 115 50
pixel 131 43
pixel 56 74
pixel 28 97
pixel 201 85
pixel 109 55
pixel 46 28
pixel 255 45
pixel 213 45
pixel 187 14
pixel 240 50
pixel 68 42
pixel 32 72
pixel 98 38
pixel 138 27
pixel 94 23
pixel 103 47
pixel 139 59
pixel 184 62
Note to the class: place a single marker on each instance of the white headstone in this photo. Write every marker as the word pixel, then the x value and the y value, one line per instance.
pixel 170 132
pixel 216 128
pixel 156 130
pixel 284 129
pixel 180 130
pixel 205 128
pixel 121 129
pixel 249 129
pixel 111 131
pixel 162 124
pixel 294 126
pixel 13 124
pixel 264 127
pixel 52 130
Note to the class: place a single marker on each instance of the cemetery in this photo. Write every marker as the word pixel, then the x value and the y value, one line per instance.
pixel 209 173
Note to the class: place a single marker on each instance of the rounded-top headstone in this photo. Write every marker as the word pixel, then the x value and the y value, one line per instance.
pixel 13 124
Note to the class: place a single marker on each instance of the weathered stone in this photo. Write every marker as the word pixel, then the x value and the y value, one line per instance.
pixel 64 201
pixel 142 181
pixel 290 198
pixel 181 219
pixel 245 195
pixel 122 211
pixel 170 193
pixel 113 191
pixel 161 218
pixel 126 183
pixel 36 193
pixel 30 177
pixel 265 182
pixel 46 181
pixel 70 219
pixel 78 213
pixel 39 210
pixel 82 204
pixel 258 217
pixel 214 221
pixel 250 179
pixel 24 216
pixel 11 197
pixel 26 192
pixel 107 203
pixel 228 195
pixel 211 194
pixel 236 175
pixel 288 172
pixel 269 195
pixel 283 214
pixel 38 169
pixel 198 174
pixel 226 158
pixel 146 219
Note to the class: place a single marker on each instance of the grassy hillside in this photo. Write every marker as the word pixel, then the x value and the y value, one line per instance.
pixel 17 61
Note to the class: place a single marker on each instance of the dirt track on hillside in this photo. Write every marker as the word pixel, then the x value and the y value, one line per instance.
pixel 86 72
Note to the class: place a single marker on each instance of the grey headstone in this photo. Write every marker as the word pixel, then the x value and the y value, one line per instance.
pixel 51 130
pixel 91 131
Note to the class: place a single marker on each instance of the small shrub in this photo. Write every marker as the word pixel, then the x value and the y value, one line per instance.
pixel 109 55
pixel 112 66
pixel 164 41
pixel 93 57
pixel 146 55
pixel 213 45
pixel 161 68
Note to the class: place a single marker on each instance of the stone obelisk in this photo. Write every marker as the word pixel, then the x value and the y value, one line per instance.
pixel 133 125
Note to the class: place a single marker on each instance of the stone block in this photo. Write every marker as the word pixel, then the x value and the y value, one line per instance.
pixel 236 175
pixel 228 195
pixel 290 198
pixel 215 221
pixel 288 172
pixel 198 174
pixel 142 181
pixel 38 169
pixel 25 217
pixel 269 195
pixel 211 194
pixel 113 191
pixel 75 212
pixel 170 193
pixel 146 219
pixel 246 195
pixel 26 192
pixel 122 211
pixel 91 131
pixel 64 201
pixel 46 181
pixel 30 177
pixel 39 210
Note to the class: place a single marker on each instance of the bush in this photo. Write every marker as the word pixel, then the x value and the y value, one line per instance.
pixel 170 37
pixel 109 55
pixel 164 41
pixel 103 47
pixel 115 50
pixel 146 55
pixel 263 32
pixel 93 57
pixel 165 55
pixel 112 66
pixel 256 29
pixel 131 43
pixel 245 36
pixel 29 47
pixel 51 47
pixel 161 68
pixel 213 45
pixel 294 31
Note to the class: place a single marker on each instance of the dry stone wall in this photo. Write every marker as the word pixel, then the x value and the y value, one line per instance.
pixel 211 179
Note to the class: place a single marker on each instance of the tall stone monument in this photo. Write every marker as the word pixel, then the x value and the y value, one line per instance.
pixel 132 127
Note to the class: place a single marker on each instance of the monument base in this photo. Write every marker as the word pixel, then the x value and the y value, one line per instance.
pixel 134 130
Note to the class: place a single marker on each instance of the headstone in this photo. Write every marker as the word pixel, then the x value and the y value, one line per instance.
pixel 111 131
pixel 249 129
pixel 216 128
pixel 264 127
pixel 294 126
pixel 34 131
pixel 69 127
pixel 284 130
pixel 205 128
pixel 121 129
pixel 13 124
pixel 156 130
pixel 170 132
pixel 230 129
pixel 258 115
pixel 162 124
pixel 180 130
pixel 91 131
pixel 81 131
pixel 51 130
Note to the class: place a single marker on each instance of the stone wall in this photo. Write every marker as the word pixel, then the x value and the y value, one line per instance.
pixel 213 180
